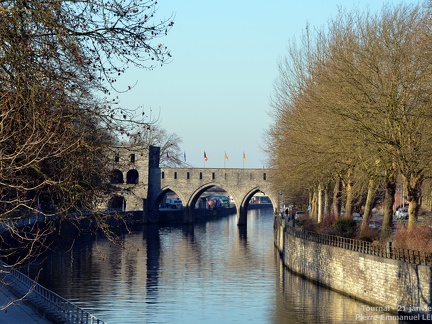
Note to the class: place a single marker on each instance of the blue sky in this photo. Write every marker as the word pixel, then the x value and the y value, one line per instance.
pixel 215 94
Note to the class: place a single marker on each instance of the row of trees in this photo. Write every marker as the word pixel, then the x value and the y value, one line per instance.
pixel 59 114
pixel 353 113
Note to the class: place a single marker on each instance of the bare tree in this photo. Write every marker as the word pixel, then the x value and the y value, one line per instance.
pixel 359 92
pixel 170 154
pixel 380 66
pixel 59 115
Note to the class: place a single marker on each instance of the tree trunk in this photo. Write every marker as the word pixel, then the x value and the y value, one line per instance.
pixel 337 202
pixel 368 206
pixel 389 200
pixel 348 185
pixel 349 199
pixel 320 204
pixel 413 189
pixel 326 208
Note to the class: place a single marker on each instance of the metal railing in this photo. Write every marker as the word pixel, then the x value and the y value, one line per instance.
pixel 387 251
pixel 58 308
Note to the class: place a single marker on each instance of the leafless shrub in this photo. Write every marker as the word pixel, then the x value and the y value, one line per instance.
pixel 418 239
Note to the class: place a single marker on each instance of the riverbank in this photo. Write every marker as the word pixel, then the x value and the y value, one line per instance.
pixel 355 268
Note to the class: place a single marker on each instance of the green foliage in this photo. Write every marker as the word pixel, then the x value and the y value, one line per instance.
pixel 344 227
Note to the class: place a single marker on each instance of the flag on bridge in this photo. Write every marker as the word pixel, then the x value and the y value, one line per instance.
pixel 184 156
pixel 244 156
pixel 205 156
pixel 226 156
pixel 168 156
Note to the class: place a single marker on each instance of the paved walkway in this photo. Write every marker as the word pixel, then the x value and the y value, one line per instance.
pixel 18 311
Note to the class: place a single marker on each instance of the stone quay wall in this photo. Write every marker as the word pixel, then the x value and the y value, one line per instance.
pixel 396 286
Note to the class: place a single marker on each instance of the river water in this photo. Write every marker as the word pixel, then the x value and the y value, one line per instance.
pixel 214 272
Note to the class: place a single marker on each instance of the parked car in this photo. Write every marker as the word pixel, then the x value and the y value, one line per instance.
pixel 357 217
pixel 401 213
pixel 299 213
pixel 375 224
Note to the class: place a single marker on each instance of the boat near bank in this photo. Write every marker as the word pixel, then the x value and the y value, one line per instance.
pixel 259 202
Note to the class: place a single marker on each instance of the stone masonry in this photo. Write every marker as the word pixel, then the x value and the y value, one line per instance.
pixel 397 286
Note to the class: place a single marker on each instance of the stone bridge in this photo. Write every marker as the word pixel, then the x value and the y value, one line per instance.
pixel 147 183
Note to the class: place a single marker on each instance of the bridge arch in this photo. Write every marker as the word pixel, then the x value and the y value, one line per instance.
pixel 245 200
pixel 247 197
pixel 136 172
pixel 190 183
pixel 162 193
pixel 195 194
pixel 191 190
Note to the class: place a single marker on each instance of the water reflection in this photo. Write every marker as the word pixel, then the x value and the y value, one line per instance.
pixel 301 301
pixel 152 239
pixel 242 233
pixel 214 272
